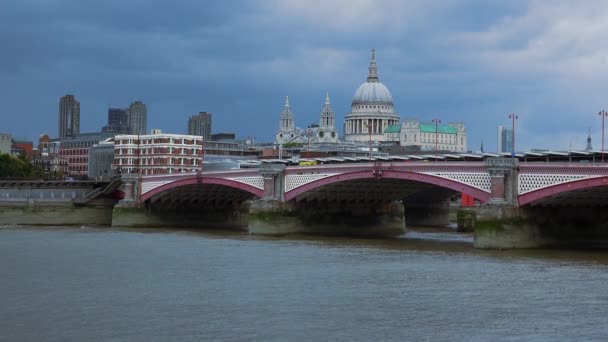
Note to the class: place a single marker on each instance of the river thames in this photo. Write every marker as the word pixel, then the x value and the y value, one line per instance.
pixel 100 284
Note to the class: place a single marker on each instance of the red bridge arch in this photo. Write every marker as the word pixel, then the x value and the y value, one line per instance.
pixel 204 180
pixel 391 174
pixel 562 188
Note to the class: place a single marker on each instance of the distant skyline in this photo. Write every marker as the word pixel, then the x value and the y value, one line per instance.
pixel 466 60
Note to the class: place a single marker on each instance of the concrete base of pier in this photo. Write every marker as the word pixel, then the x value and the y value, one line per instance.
pixel 139 215
pixel 269 217
pixel 532 227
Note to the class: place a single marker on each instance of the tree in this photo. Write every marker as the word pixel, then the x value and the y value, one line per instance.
pixel 18 168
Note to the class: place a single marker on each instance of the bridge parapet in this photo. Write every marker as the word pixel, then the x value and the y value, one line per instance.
pixel 503 180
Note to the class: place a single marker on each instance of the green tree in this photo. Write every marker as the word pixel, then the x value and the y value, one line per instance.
pixel 18 168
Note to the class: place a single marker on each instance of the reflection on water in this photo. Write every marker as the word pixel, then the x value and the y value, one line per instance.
pixel 92 283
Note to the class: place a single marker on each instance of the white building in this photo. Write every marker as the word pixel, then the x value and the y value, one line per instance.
pixel 156 154
pixel 371 111
pixel 428 136
pixel 6 141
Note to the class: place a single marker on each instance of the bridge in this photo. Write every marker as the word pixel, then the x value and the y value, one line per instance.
pixel 57 202
pixel 379 197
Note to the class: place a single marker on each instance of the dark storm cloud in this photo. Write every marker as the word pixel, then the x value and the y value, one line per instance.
pixel 473 61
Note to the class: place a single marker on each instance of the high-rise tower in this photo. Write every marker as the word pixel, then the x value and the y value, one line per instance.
pixel 138 114
pixel 505 139
pixel 69 116
pixel 200 124
pixel 118 121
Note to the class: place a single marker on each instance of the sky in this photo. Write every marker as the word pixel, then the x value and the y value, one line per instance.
pixel 474 61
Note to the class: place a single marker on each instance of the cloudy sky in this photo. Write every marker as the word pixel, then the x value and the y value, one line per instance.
pixel 468 60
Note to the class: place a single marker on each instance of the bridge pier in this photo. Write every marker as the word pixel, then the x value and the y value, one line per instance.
pixel 501 223
pixel 268 217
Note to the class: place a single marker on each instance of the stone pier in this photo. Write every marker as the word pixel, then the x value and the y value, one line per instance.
pixel 271 215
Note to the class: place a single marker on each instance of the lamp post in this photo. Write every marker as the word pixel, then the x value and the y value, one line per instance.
pixel 202 150
pixel 308 131
pixel 603 114
pixel 436 121
pixel 369 128
pixel 513 117
pixel 138 152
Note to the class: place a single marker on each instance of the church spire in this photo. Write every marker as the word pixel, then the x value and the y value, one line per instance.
pixel 373 69
pixel 287 119
pixel 328 118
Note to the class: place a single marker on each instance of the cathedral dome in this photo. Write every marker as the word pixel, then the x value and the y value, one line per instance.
pixel 372 92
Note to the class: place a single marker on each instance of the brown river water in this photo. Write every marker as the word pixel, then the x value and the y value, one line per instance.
pixel 102 284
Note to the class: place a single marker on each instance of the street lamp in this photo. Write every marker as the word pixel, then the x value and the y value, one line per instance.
pixel 436 121
pixel 369 128
pixel 202 150
pixel 603 114
pixel 513 117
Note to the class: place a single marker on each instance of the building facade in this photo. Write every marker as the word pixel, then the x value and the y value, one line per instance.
pixel 158 154
pixel 428 136
pixel 138 118
pixel 76 151
pixel 505 139
pixel 69 116
pixel 200 124
pixel 371 110
pixel 101 159
pixel 23 147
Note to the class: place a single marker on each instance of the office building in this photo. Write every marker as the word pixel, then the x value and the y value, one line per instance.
pixel 200 124
pixel 138 118
pixel 505 139
pixel 118 121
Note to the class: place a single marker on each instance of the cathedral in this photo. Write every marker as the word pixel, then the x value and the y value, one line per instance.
pixel 372 118
pixel 371 113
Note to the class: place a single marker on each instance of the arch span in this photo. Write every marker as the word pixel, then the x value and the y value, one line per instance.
pixel 549 191
pixel 391 174
pixel 204 180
